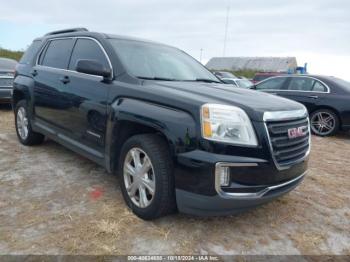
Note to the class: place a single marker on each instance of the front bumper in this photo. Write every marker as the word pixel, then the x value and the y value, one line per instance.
pixel 225 204
pixel 252 182
pixel 5 94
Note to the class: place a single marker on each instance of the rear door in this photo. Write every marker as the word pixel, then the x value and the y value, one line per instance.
pixel 306 90
pixel 52 102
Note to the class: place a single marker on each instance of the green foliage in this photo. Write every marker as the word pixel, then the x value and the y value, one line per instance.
pixel 246 73
pixel 16 55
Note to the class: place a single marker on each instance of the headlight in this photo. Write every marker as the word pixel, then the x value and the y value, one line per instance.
pixel 228 124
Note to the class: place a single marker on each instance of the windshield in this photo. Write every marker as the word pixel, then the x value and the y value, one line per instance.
pixel 159 62
pixel 244 83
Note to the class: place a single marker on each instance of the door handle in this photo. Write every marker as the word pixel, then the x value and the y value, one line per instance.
pixel 65 79
pixel 34 72
pixel 313 97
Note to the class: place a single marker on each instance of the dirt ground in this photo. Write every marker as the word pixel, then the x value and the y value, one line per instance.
pixel 52 201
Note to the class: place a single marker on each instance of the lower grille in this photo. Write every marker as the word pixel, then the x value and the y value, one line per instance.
pixel 287 147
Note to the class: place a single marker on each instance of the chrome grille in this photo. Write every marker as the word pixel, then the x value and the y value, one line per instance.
pixel 287 151
pixel 6 82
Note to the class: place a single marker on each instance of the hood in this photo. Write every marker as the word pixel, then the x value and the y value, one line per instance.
pixel 254 103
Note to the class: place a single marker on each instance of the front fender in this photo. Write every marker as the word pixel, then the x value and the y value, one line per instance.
pixel 179 127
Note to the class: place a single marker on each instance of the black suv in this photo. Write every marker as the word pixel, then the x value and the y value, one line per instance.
pixel 176 136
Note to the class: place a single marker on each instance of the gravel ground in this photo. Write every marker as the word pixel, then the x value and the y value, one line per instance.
pixel 52 201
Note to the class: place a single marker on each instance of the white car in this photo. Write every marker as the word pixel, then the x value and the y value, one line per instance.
pixel 7 68
pixel 243 83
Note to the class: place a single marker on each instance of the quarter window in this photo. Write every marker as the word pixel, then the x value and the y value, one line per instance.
pixel 273 83
pixel 318 87
pixel 301 84
pixel 31 52
pixel 87 49
pixel 58 53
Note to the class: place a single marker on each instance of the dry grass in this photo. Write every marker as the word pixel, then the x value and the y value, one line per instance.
pixel 46 208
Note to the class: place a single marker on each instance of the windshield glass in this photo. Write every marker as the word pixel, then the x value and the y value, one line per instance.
pixel 244 83
pixel 160 62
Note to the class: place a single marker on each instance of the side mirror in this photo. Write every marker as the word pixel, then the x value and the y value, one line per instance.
pixel 253 87
pixel 92 67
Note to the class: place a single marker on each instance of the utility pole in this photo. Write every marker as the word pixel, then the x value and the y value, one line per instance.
pixel 200 57
pixel 226 27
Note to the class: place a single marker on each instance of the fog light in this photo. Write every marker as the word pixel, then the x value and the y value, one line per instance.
pixel 224 174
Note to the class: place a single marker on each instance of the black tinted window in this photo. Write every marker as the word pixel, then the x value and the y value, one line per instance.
pixel 30 53
pixel 57 53
pixel 301 84
pixel 273 83
pixel 87 49
pixel 319 87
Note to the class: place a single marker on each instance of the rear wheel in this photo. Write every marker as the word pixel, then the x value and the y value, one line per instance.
pixel 146 176
pixel 24 130
pixel 324 122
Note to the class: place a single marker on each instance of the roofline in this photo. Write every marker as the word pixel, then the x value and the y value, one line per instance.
pixel 84 32
pixel 69 30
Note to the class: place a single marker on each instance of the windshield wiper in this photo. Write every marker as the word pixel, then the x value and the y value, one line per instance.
pixel 156 78
pixel 206 80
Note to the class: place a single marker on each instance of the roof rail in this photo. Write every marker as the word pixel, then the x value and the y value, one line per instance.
pixel 70 30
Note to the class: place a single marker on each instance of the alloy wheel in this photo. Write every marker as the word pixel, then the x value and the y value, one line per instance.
pixel 322 123
pixel 22 123
pixel 139 177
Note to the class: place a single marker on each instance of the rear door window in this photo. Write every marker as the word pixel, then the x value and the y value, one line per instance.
pixel 301 84
pixel 31 52
pixel 58 53
pixel 272 84
pixel 87 49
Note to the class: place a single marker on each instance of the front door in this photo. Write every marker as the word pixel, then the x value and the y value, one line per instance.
pixel 89 95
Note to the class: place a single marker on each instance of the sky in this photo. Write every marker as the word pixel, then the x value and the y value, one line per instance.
pixel 314 31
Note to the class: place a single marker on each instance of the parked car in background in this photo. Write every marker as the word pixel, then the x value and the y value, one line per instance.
pixel 224 74
pixel 264 75
pixel 7 69
pixel 177 137
pixel 243 83
pixel 326 98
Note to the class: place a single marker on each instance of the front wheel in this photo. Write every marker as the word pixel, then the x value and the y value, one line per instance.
pixel 324 122
pixel 146 176
pixel 24 130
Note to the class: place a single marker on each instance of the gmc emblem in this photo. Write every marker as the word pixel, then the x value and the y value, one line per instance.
pixel 297 132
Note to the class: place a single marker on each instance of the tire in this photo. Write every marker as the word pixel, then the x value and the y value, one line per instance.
pixel 159 175
pixel 24 130
pixel 324 122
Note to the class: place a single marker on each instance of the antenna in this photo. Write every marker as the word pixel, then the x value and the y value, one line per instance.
pixel 226 26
